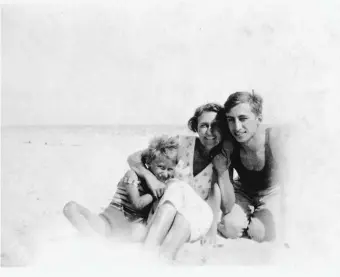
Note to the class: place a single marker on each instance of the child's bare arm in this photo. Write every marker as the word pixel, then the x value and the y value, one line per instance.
pixel 131 183
pixel 135 162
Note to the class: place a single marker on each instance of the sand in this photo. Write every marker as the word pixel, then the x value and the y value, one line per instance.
pixel 43 168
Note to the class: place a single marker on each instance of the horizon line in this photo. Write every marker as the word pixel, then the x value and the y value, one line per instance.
pixel 85 125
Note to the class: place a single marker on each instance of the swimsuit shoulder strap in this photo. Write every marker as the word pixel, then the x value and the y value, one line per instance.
pixel 268 150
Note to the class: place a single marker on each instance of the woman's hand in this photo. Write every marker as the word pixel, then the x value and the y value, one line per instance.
pixel 221 163
pixel 207 244
pixel 210 237
pixel 222 159
pixel 157 188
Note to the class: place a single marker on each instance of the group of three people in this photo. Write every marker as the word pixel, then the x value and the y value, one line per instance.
pixel 183 188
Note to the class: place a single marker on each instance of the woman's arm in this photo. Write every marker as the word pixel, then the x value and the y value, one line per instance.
pixel 156 187
pixel 221 165
pixel 214 201
pixel 136 164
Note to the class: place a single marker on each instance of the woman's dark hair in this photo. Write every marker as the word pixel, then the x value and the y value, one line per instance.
pixel 209 107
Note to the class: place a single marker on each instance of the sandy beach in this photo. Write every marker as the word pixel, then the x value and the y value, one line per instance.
pixel 135 63
pixel 43 168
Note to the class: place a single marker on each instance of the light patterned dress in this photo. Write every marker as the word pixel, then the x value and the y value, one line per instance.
pixel 202 182
pixel 187 193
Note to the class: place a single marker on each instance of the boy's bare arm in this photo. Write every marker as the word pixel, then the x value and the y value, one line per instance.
pixel 278 144
pixel 156 187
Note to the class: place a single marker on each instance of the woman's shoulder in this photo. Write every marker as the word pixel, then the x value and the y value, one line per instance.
pixel 185 137
pixel 185 140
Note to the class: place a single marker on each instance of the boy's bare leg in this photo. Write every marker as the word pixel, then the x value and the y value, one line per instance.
pixel 83 220
pixel 178 235
pixel 262 226
pixel 160 225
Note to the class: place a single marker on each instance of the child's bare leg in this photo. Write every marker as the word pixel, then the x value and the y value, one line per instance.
pixel 160 225
pixel 99 224
pixel 83 220
pixel 178 235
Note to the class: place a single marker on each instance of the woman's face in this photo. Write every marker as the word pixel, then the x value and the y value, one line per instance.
pixel 208 132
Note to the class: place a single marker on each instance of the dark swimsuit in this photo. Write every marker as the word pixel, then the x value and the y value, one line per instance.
pixel 254 183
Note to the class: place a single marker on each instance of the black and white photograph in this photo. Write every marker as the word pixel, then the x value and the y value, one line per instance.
pixel 170 134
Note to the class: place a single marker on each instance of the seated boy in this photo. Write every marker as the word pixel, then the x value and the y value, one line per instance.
pixel 132 201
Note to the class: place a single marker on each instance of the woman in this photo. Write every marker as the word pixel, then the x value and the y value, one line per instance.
pixel 189 209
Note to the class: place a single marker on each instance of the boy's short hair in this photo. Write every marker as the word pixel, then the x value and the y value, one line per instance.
pixel 165 146
pixel 255 101
pixel 209 107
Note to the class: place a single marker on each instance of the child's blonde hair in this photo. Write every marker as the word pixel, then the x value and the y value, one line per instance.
pixel 165 146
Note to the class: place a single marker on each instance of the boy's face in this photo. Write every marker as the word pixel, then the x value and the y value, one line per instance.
pixel 242 122
pixel 163 168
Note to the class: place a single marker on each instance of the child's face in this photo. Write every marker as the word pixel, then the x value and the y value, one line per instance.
pixel 163 168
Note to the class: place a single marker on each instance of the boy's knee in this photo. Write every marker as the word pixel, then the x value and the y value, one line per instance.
pixel 232 227
pixel 262 227
pixel 234 223
pixel 256 230
pixel 230 231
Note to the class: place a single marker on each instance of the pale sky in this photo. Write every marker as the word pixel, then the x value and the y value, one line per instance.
pixel 155 63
